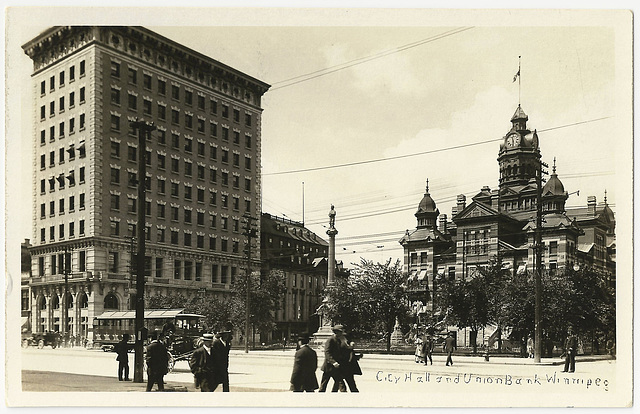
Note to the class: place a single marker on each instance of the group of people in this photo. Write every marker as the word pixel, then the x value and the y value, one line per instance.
pixel 340 364
pixel 424 349
pixel 210 362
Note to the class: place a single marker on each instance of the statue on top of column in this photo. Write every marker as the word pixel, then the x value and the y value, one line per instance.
pixel 332 217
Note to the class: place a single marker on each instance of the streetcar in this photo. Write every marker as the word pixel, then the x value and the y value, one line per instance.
pixel 181 329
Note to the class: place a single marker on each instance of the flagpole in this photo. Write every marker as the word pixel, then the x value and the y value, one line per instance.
pixel 519 78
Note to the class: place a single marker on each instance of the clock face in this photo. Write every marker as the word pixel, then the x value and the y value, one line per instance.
pixel 513 140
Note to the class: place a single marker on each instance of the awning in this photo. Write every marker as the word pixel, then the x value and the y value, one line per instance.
pixel 148 314
pixel 422 275
pixel 24 322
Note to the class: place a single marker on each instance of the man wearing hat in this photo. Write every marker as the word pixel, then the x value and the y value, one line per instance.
pixel 570 350
pixel 220 350
pixel 303 377
pixel 336 356
pixel 202 365
pixel 157 358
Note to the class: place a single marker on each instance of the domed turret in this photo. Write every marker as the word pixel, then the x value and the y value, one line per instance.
pixel 553 194
pixel 427 211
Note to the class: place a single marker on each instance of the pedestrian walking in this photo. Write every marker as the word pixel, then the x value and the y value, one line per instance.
pixel 122 349
pixel 449 347
pixel 570 350
pixel 220 348
pixel 427 349
pixel 305 363
pixel 202 365
pixel 351 368
pixel 530 348
pixel 419 355
pixel 157 359
pixel 334 357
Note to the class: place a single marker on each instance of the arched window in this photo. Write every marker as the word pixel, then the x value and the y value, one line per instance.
pixel 55 302
pixel 69 301
pixel 83 301
pixel 111 301
pixel 42 303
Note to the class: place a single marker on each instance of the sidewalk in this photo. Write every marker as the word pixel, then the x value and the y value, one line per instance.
pixel 32 381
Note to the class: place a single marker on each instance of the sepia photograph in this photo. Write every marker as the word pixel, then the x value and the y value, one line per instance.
pixel 318 207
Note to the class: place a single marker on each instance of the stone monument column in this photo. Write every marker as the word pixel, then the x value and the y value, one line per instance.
pixel 324 331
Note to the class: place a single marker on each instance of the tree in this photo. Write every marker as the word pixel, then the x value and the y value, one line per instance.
pixel 371 299
pixel 265 297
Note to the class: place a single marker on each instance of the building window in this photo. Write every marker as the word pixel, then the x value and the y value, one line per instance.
pixel 188 98
pixel 61 104
pixel 82 262
pixel 160 236
pixel 132 153
pixel 133 76
pixel 159 265
pixel 212 246
pixel 72 99
pixel 115 228
pixel 188 269
pixel 174 237
pixel 133 102
pixel 175 92
pixel 187 192
pixel 213 129
pixel 115 123
pixel 177 265
pixel 146 81
pixel 247 141
pixel 247 119
pixel 162 112
pixel 162 87
pixel 82 95
pixel 82 207
pixel 115 202
pixel 225 111
pixel 115 149
pixel 175 117
pixel 72 229
pixel 82 68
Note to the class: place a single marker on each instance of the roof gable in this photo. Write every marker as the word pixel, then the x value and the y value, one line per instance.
pixel 475 210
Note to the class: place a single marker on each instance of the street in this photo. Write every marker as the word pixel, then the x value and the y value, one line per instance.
pixel 383 375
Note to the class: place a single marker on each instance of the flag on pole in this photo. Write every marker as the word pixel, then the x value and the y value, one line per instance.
pixel 516 75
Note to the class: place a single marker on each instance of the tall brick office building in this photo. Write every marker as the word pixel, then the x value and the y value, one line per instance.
pixel 203 170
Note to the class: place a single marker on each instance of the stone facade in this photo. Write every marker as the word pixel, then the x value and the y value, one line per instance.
pixel 203 170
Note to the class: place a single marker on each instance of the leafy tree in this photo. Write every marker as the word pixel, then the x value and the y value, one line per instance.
pixel 371 299
pixel 265 297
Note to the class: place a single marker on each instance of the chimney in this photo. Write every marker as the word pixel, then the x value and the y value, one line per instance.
pixel 591 205
pixel 494 199
pixel 461 202
pixel 486 188
pixel 454 212
pixel 442 225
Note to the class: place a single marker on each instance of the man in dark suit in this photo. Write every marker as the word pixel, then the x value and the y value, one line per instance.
pixel 220 350
pixel 202 365
pixel 427 349
pixel 303 377
pixel 449 346
pixel 122 348
pixel 570 350
pixel 336 355
pixel 157 362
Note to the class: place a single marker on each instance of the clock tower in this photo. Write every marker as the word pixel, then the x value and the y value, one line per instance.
pixel 519 155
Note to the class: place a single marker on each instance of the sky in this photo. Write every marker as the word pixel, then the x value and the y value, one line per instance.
pixel 420 91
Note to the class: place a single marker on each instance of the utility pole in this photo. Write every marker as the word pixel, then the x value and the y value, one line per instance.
pixel 144 130
pixel 132 241
pixel 537 260
pixel 250 232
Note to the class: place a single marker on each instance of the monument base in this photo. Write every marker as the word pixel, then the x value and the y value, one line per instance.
pixel 319 338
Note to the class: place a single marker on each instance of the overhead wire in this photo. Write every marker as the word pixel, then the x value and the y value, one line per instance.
pixel 359 61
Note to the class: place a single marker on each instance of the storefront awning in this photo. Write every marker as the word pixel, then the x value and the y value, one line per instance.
pixel 422 275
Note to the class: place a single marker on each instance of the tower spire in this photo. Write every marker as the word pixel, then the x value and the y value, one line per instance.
pixel 554 165
pixel 427 190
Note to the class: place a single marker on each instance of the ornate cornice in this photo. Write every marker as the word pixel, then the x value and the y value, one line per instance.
pixel 147 47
